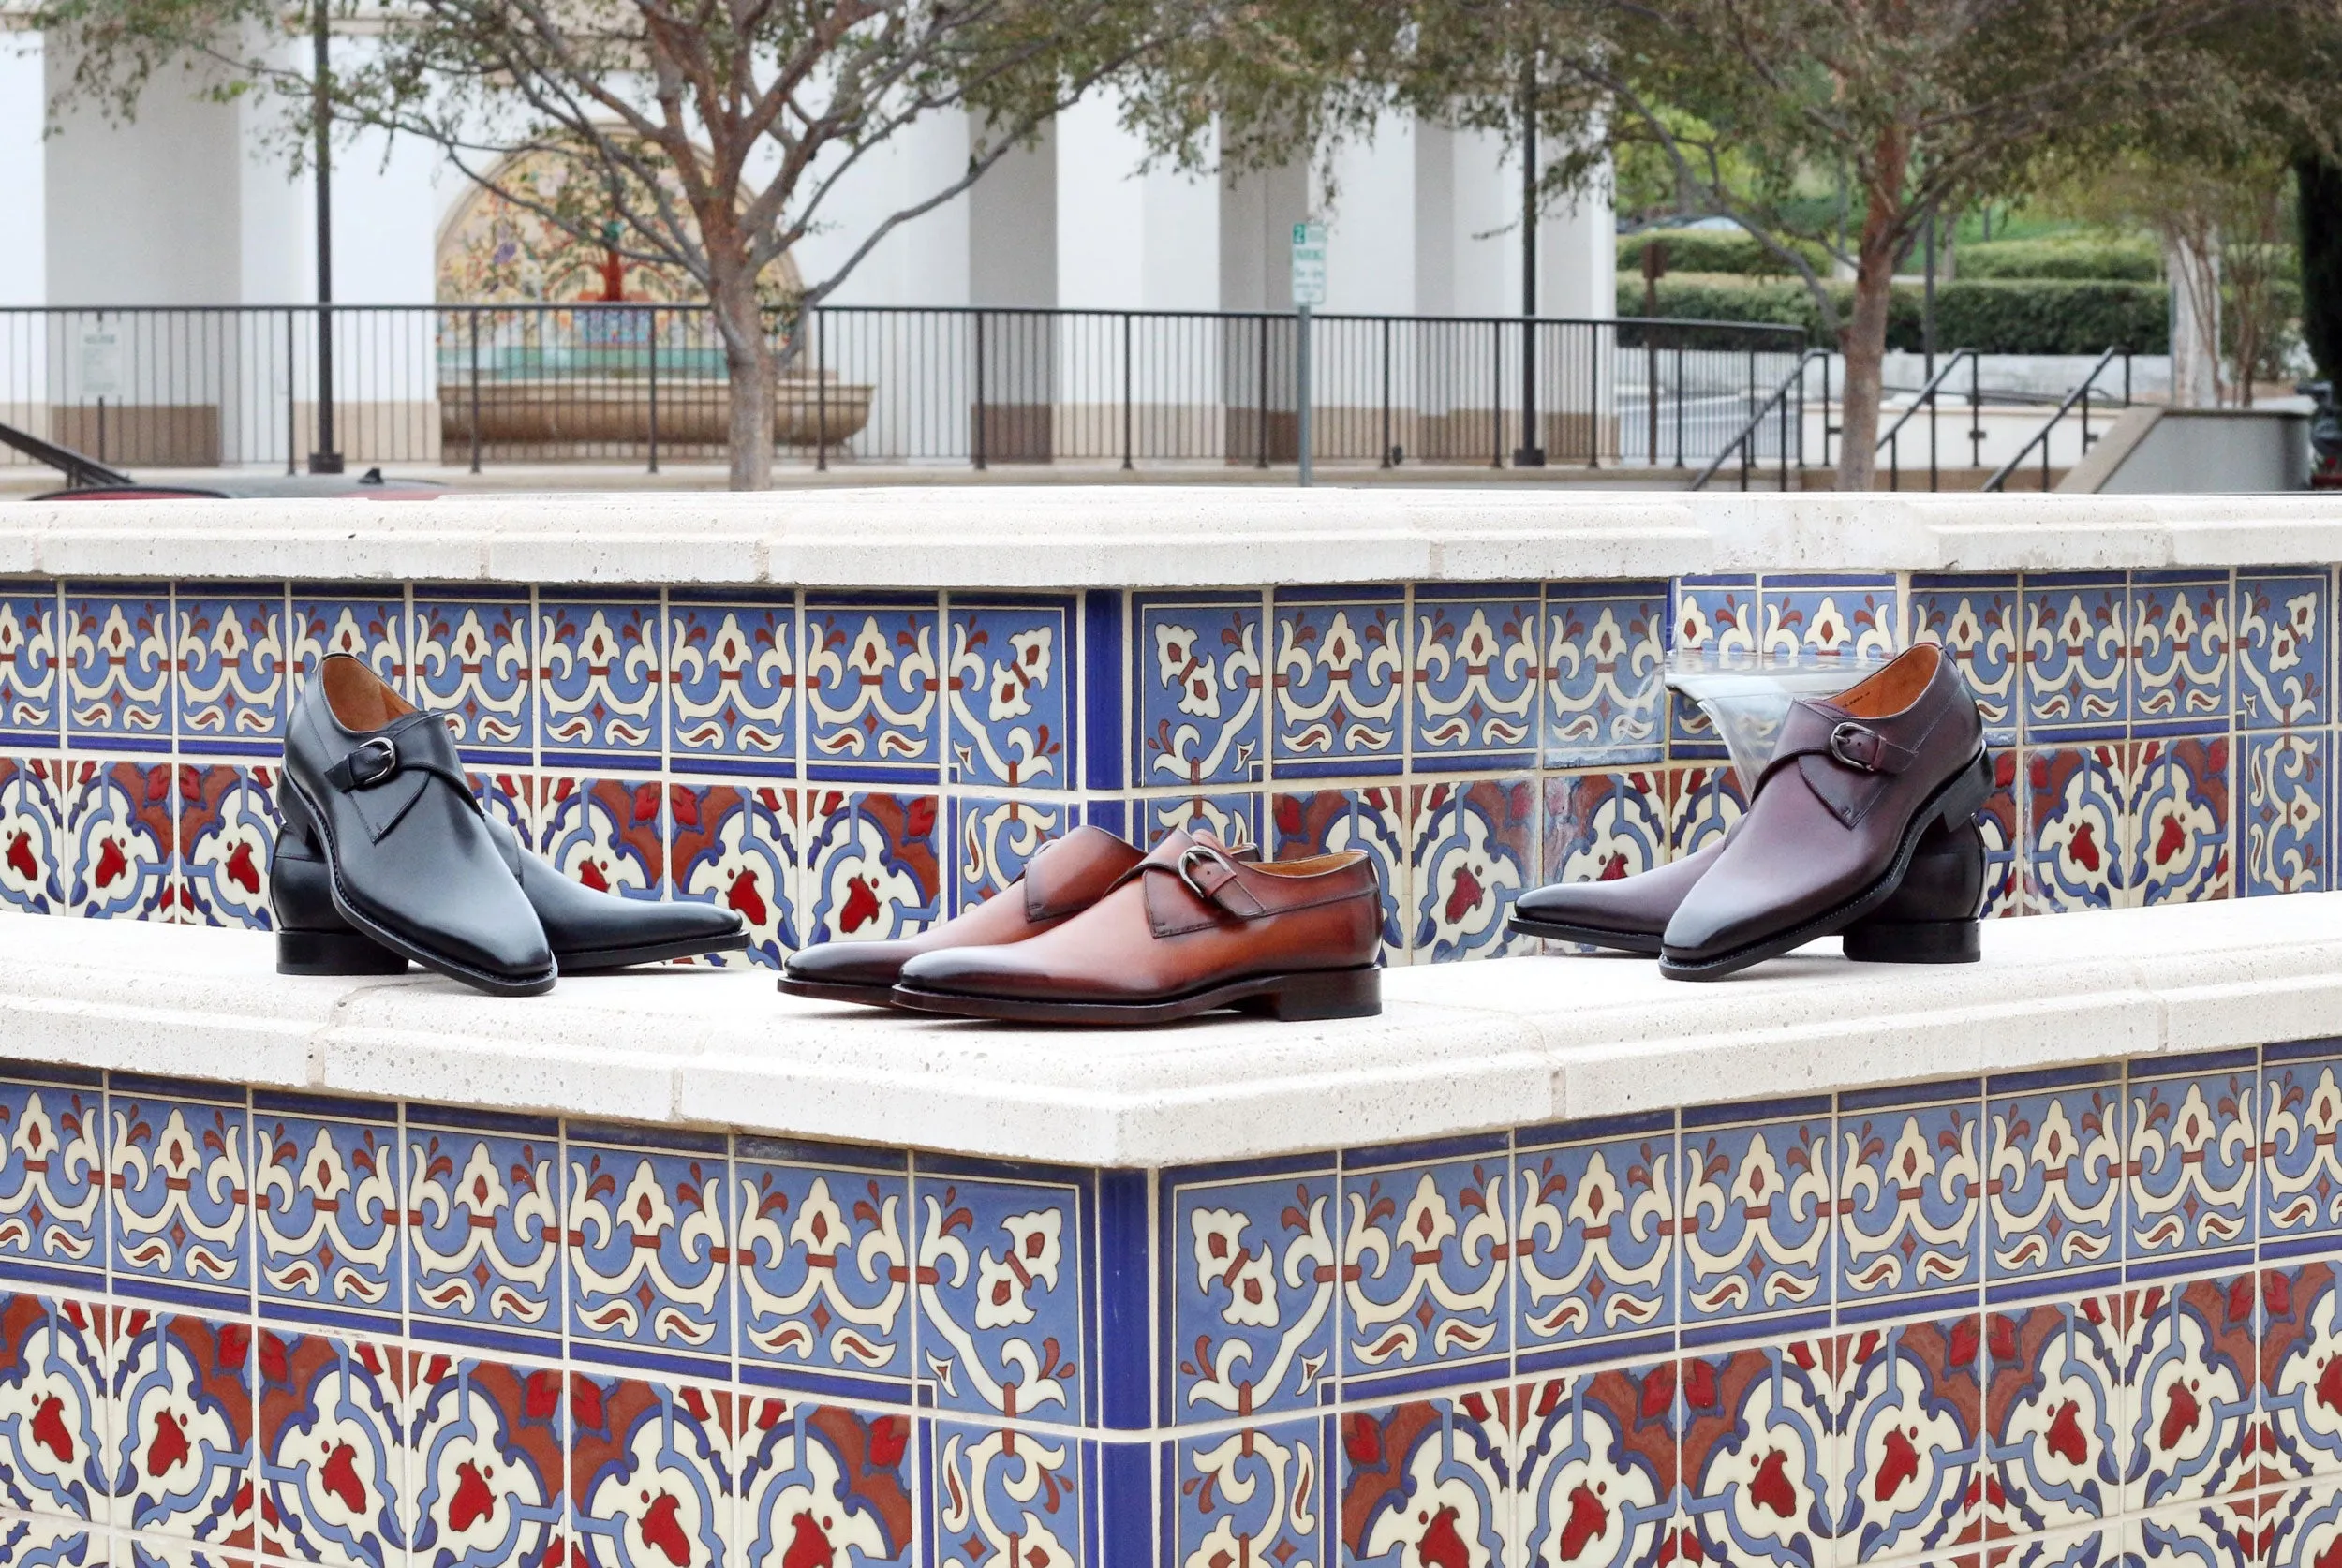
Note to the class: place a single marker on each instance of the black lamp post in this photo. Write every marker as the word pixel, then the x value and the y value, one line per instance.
pixel 1529 455
pixel 327 458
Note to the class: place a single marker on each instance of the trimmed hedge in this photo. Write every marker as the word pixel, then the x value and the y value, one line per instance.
pixel 1995 316
pixel 1710 250
pixel 2132 260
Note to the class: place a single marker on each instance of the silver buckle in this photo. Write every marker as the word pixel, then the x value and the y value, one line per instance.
pixel 1846 730
pixel 1187 873
pixel 382 762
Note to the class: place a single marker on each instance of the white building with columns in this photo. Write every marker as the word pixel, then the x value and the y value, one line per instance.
pixel 190 203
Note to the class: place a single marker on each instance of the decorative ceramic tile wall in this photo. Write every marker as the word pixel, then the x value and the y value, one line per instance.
pixel 841 764
pixel 2088 1315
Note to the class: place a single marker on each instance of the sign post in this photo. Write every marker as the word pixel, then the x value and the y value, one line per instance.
pixel 1308 289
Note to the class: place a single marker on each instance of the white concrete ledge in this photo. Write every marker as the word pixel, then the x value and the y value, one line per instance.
pixel 1461 1048
pixel 1169 536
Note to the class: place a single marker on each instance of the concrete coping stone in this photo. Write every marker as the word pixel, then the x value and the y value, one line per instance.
pixel 1460 1048
pixel 1148 536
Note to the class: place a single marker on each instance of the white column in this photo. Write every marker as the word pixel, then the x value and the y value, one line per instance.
pixel 24 101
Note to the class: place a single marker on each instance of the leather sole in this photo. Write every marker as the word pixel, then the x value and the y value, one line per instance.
pixel 335 952
pixel 454 968
pixel 1955 801
pixel 1295 997
pixel 817 990
pixel 600 959
pixel 1642 942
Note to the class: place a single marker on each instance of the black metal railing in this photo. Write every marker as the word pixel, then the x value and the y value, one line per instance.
pixel 479 385
pixel 2077 399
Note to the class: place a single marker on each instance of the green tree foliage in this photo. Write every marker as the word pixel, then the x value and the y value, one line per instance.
pixel 2130 259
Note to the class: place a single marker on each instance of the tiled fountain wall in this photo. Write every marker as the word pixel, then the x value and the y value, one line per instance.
pixel 2078 1318
pixel 854 764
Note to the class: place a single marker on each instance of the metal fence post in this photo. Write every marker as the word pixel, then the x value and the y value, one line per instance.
pixel 821 392
pixel 1387 446
pixel 1496 390
pixel 1679 400
pixel 1593 398
pixel 651 336
pixel 976 441
pixel 1260 422
pixel 1126 390
pixel 293 396
pixel 475 389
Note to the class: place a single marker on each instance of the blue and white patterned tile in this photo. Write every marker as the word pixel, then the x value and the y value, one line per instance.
pixel 1010 680
pixel 653 1474
pixel 2076 657
pixel 824 1484
pixel 1426 1245
pixel 1251 1495
pixel 2303 1529
pixel 36 850
pixel 2000 822
pixel 1005 1494
pixel 1908 1430
pixel 179 1427
pixel 1703 803
pixel 2300 1141
pixel 1806 615
pixel 1755 1213
pixel 472 660
pixel 736 846
pixel 2191 1376
pixel 1476 675
pixel 52 1411
pixel 328 1203
pixel 1472 853
pixel 649 1240
pixel 227 831
pixel 332 1449
pixel 1976 620
pixel 122 821
pixel 1602 826
pixel 358 619
pixel 2284 651
pixel 1341 682
pixel 484 1223
pixel 32 665
pixel 1000 1262
pixel 1606 646
pixel 118 659
pixel 2177 821
pixel 2301 1342
pixel 1427 1482
pixel 229 649
pixel 873 682
pixel 2078 831
pixel 731 683
pixel 1597 1476
pixel 1759 1478
pixel 869 869
pixel 600 677
pixel 52 1175
pixel 2182 636
pixel 1251 1272
pixel 607 833
pixel 1375 820
pixel 2193 1139
pixel 1719 616
pixel 1233 819
pixel 2054 1189
pixel 2289 837
pixel 178 1162
pixel 2054 1426
pixel 823 1253
pixel 992 839
pixel 1910 1193
pixel 1595 1233
pixel 488 1451
pixel 1199 665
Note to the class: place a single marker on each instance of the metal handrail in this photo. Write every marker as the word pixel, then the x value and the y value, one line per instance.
pixel 1891 444
pixel 80 470
pixel 2040 438
pixel 1794 381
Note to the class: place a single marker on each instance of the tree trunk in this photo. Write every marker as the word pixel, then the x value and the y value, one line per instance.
pixel 2318 190
pixel 749 361
pixel 1863 339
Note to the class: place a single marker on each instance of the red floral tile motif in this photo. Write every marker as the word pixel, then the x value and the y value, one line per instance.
pixel 2177 808
pixel 1473 851
pixel 824 1484
pixel 35 847
pixel 1760 1485
pixel 2301 1373
pixel 53 1409
pixel 486 1463
pixel 1425 1482
pixel 2055 1428
pixel 121 824
pixel 1596 1472
pixel 870 868
pixel 179 1427
pixel 1908 1439
pixel 227 833
pixel 651 1477
pixel 607 833
pixel 2190 1368
pixel 737 846
pixel 333 1416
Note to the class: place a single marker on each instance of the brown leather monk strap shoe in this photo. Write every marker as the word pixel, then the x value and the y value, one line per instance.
pixel 1065 877
pixel 1836 816
pixel 1188 929
pixel 1931 919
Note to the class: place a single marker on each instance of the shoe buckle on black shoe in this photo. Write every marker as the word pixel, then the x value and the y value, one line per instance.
pixel 373 762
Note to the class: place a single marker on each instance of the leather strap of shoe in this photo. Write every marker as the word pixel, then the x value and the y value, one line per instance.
pixel 417 744
pixel 1812 730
